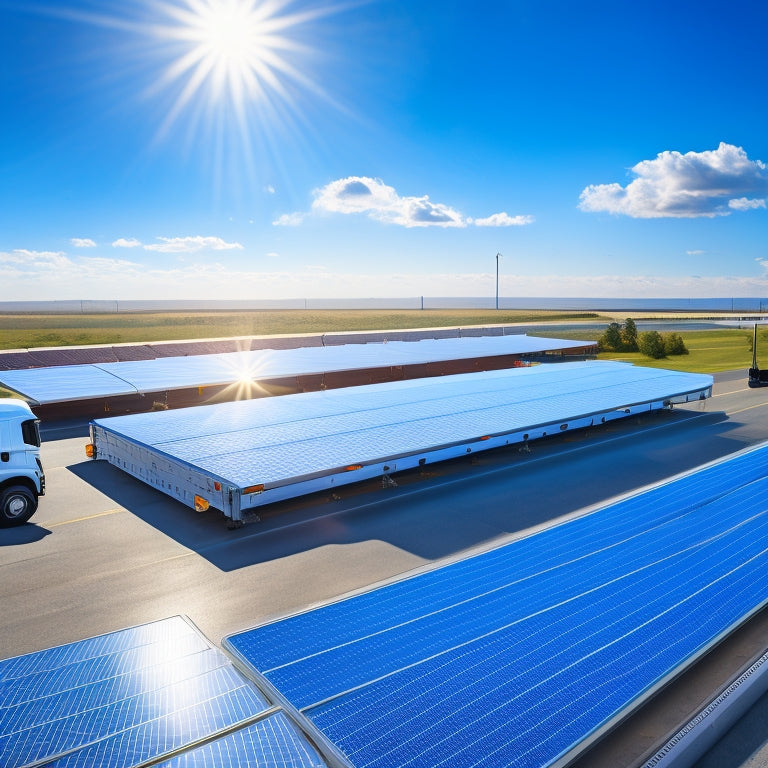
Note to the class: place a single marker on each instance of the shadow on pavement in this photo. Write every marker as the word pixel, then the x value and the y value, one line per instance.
pixel 451 507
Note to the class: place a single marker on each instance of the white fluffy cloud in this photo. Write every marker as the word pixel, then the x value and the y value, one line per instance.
pixel 191 244
pixel 745 204
pixel 289 220
pixel 503 219
pixel 82 242
pixel 377 200
pixel 130 242
pixel 361 194
pixel 674 185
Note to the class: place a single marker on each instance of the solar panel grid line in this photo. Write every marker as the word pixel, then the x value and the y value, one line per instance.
pixel 655 507
pixel 145 742
pixel 479 637
pixel 223 733
pixel 103 692
pixel 165 373
pixel 329 751
pixel 63 655
pixel 732 594
pixel 522 763
pixel 93 669
pixel 93 725
pixel 248 748
pixel 475 597
pixel 275 434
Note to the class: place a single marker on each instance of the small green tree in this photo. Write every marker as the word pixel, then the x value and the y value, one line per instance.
pixel 611 338
pixel 629 335
pixel 674 344
pixel 651 344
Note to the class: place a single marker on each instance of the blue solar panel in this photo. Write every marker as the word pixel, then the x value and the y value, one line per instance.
pixel 75 382
pixel 272 743
pixel 281 441
pixel 120 698
pixel 517 656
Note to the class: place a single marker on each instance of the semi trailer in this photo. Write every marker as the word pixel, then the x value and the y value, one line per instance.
pixel 242 455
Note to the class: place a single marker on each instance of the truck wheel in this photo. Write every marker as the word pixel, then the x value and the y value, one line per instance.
pixel 17 505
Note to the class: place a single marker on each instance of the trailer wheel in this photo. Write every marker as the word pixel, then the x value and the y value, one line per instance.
pixel 17 505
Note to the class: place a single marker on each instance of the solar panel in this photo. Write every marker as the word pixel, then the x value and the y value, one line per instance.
pixel 68 383
pixel 276 440
pixel 520 656
pixel 121 698
pixel 271 743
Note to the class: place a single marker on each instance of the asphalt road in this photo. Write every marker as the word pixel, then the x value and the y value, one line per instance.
pixel 105 552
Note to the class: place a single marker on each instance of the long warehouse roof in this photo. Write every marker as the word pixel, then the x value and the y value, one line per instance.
pixel 523 655
pixel 277 441
pixel 66 383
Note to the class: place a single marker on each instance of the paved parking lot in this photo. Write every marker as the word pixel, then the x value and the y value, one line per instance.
pixel 106 552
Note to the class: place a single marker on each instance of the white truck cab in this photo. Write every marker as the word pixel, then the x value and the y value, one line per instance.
pixel 22 479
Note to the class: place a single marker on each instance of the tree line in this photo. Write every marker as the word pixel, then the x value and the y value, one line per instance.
pixel 624 337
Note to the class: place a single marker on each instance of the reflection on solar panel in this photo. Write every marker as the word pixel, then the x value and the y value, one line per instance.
pixel 298 444
pixel 76 382
pixel 523 655
pixel 131 696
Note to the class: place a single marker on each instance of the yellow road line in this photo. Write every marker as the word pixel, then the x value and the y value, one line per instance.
pixel 749 408
pixel 87 517
pixel 731 392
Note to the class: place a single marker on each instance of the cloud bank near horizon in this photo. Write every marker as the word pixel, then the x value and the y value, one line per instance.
pixel 54 275
pixel 692 185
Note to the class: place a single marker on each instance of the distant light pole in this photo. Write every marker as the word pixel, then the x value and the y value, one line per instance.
pixel 498 255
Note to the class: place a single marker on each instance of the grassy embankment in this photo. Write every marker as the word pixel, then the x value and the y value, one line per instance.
pixel 710 350
pixel 21 331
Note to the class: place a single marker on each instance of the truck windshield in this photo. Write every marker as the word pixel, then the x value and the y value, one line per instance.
pixel 30 432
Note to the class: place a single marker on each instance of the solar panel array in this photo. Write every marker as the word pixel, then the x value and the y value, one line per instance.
pixel 276 440
pixel 65 383
pixel 141 694
pixel 521 655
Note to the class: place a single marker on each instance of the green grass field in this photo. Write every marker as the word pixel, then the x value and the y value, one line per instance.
pixel 709 351
pixel 21 331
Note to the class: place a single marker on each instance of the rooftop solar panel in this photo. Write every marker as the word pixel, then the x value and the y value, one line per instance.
pixel 522 655
pixel 120 699
pixel 67 383
pixel 274 441
pixel 271 743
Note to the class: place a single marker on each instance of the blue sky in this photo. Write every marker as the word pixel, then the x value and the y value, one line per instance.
pixel 283 149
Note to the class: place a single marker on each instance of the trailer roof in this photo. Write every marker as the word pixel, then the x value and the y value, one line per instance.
pixel 66 383
pixel 278 441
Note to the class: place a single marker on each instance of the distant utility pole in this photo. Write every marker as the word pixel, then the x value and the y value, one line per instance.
pixel 498 255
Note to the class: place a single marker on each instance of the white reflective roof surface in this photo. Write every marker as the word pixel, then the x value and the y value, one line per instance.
pixel 81 382
pixel 277 439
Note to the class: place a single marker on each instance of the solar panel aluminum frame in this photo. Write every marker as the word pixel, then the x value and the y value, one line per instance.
pixel 327 749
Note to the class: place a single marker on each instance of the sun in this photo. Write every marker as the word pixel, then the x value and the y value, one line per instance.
pixel 237 55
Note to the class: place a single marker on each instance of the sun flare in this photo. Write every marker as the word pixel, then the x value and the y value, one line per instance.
pixel 234 54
